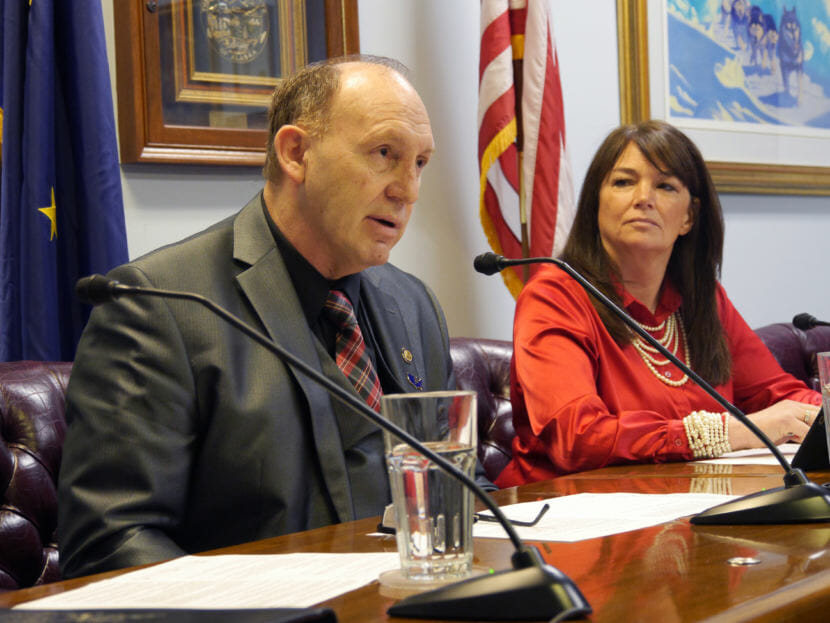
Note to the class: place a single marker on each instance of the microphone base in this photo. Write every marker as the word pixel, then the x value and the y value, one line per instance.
pixel 802 503
pixel 537 593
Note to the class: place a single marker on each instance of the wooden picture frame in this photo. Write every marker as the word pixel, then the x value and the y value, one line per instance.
pixel 729 177
pixel 194 84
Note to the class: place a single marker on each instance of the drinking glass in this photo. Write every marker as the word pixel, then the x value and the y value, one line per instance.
pixel 433 510
pixel 823 361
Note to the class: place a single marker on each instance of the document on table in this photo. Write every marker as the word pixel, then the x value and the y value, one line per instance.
pixel 755 456
pixel 225 582
pixel 590 515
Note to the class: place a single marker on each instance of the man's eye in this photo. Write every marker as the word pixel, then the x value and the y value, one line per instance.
pixel 381 159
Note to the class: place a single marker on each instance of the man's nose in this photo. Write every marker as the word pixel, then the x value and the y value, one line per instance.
pixel 405 184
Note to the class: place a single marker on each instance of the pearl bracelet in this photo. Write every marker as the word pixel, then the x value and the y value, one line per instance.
pixel 708 433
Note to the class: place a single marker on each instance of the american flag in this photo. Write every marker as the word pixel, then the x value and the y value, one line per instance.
pixel 521 150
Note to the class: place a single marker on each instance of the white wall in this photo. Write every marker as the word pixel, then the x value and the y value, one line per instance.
pixel 774 245
pixel 775 248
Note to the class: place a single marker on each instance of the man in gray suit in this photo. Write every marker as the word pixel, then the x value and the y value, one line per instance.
pixel 183 434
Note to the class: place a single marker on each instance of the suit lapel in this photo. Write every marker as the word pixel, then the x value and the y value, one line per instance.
pixel 398 353
pixel 268 287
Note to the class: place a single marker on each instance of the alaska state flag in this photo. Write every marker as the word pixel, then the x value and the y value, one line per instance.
pixel 61 215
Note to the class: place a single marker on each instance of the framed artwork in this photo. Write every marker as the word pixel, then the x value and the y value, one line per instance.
pixel 749 82
pixel 194 77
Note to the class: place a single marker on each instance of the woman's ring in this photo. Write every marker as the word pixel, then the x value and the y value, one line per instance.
pixel 807 417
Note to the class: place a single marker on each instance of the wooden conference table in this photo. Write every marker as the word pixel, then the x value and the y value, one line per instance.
pixel 671 572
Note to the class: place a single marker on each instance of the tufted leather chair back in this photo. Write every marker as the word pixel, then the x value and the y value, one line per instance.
pixel 484 366
pixel 796 350
pixel 32 429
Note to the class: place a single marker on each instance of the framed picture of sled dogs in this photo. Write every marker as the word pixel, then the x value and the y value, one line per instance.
pixel 748 80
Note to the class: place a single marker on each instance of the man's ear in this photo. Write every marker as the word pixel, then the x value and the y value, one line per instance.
pixel 290 145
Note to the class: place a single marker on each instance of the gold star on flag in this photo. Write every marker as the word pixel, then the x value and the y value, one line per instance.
pixel 52 215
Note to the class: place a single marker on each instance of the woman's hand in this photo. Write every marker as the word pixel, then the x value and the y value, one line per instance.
pixel 784 421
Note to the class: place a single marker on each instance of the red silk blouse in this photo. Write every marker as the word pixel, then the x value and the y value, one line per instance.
pixel 580 401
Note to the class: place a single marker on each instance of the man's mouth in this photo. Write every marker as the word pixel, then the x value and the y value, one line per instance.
pixel 383 221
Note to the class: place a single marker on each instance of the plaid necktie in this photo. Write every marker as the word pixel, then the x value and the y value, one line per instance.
pixel 350 349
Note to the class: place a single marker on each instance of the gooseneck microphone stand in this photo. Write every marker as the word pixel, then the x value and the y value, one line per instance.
pixel 798 501
pixel 531 591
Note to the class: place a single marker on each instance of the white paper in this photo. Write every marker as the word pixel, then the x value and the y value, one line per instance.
pixel 220 582
pixel 755 456
pixel 590 515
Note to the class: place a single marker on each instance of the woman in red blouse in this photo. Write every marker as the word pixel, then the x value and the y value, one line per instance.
pixel 586 391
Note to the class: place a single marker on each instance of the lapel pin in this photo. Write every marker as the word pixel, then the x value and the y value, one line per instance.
pixel 406 355
pixel 416 382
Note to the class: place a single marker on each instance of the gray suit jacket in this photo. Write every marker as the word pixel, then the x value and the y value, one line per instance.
pixel 184 435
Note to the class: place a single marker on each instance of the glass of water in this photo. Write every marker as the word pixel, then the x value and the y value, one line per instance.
pixel 433 510
pixel 823 362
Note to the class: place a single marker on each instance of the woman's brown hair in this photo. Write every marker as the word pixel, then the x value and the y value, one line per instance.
pixel 695 262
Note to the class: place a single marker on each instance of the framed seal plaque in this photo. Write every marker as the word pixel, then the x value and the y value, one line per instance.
pixel 194 77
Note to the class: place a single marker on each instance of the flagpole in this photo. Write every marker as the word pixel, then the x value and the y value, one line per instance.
pixel 514 107
pixel 517 85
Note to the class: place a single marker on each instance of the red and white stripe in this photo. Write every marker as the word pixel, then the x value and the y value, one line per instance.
pixel 522 29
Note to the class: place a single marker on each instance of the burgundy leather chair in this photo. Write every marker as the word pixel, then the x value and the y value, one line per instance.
pixel 32 430
pixel 484 366
pixel 796 350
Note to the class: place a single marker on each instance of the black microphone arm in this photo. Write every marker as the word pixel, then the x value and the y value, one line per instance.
pixel 532 590
pixel 798 501
pixel 806 321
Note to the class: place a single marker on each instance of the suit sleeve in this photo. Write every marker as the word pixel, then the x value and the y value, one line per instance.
pixel 127 455
pixel 451 383
pixel 444 346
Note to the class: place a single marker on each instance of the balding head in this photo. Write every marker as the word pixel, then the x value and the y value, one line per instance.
pixel 305 98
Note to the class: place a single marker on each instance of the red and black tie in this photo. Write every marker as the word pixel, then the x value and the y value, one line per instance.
pixel 350 349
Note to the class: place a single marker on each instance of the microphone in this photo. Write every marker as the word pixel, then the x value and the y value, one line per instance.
pixel 806 321
pixel 489 263
pixel 532 590
pixel 798 501
pixel 96 289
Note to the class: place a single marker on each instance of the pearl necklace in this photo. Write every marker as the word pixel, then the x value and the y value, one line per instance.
pixel 673 335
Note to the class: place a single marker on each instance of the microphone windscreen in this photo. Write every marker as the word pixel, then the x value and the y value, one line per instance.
pixel 487 263
pixel 804 321
pixel 95 289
